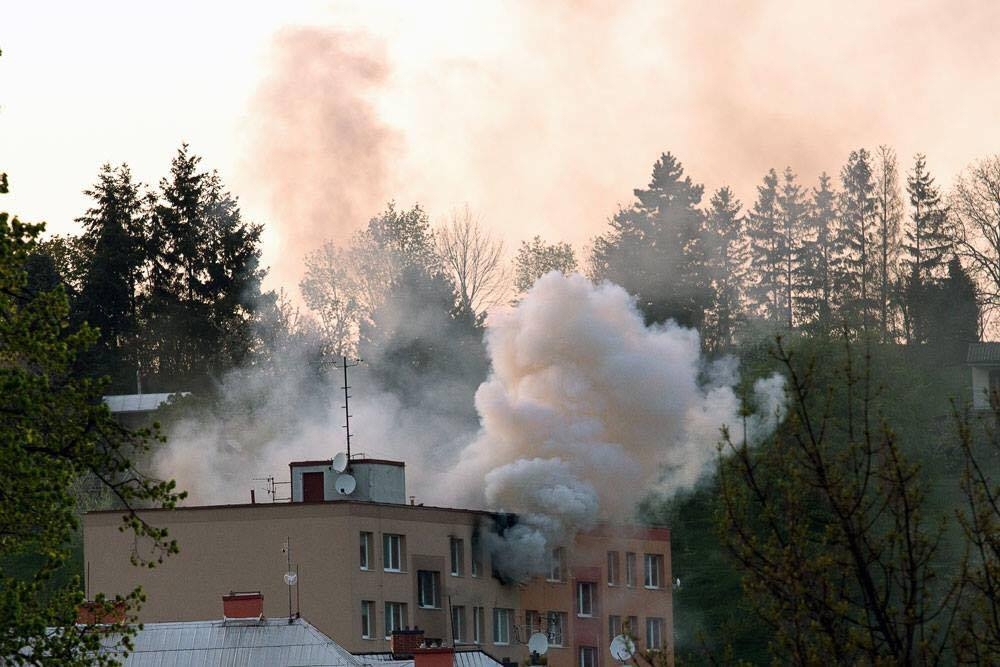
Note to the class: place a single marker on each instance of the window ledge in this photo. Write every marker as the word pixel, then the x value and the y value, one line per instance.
pixel 653 588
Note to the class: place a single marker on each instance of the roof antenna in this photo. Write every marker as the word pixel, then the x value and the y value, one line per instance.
pixel 345 364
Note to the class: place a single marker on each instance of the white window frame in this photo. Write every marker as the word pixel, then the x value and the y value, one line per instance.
pixel 557 565
pixel 633 627
pixel 458 624
pixel 366 550
pixel 585 599
pixel 614 626
pixel 654 633
pixel 587 656
pixel 457 550
pixel 367 619
pixel 501 625
pixel 614 569
pixel 533 620
pixel 392 552
pixel 630 569
pixel 428 584
pixel 394 612
pixel 653 571
pixel 478 616
pixel 557 628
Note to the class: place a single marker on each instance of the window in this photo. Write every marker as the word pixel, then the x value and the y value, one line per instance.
pixel 585 599
pixel 501 625
pixel 395 617
pixel 477 558
pixel 654 633
pixel 457 556
pixel 557 564
pixel 613 573
pixel 614 626
pixel 366 550
pixel 367 631
pixel 458 624
pixel 630 569
pixel 633 627
pixel 557 627
pixel 654 570
pixel 392 552
pixel 477 624
pixel 428 589
pixel 588 656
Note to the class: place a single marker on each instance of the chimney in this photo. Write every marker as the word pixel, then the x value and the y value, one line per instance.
pixel 94 613
pixel 434 657
pixel 243 605
pixel 405 642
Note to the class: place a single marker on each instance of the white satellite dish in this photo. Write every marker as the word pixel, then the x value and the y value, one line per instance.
pixel 339 463
pixel 291 578
pixel 538 643
pixel 622 648
pixel 345 484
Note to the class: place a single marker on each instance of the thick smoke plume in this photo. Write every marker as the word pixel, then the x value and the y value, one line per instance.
pixel 587 409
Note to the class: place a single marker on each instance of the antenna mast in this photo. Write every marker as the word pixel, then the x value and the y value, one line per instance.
pixel 347 400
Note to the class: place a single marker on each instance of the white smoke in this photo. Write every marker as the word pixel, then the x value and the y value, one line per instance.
pixel 587 409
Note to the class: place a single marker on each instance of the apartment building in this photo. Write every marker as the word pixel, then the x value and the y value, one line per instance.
pixel 367 563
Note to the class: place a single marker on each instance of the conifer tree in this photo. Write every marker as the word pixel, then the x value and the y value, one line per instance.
pixel 889 214
pixel 654 250
pixel 726 262
pixel 792 213
pixel 819 251
pixel 766 252
pixel 856 263
pixel 927 242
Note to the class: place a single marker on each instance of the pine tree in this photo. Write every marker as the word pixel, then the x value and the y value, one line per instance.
pixel 857 262
pixel 888 213
pixel 654 250
pixel 115 230
pixel 766 251
pixel 792 214
pixel 819 250
pixel 726 262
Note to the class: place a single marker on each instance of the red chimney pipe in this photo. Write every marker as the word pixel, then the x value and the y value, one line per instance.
pixel 247 604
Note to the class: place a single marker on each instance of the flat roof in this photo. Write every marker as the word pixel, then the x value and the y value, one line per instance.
pixel 326 462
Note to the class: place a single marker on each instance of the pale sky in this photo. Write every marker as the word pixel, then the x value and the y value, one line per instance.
pixel 540 116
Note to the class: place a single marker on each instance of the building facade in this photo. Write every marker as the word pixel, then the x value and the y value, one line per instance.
pixel 365 568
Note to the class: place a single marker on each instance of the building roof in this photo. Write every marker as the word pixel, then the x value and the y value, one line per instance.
pixel 137 402
pixel 983 353
pixel 273 642
pixel 476 658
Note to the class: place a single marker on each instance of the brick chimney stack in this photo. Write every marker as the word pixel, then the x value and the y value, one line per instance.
pixel 247 604
pixel 405 642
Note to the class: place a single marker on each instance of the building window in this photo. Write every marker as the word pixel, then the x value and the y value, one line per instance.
pixel 557 628
pixel 458 624
pixel 533 620
pixel 630 569
pixel 633 627
pixel 654 633
pixel 557 564
pixel 501 625
pixel 366 550
pixel 477 558
pixel 392 552
pixel 614 626
pixel 367 629
pixel 428 589
pixel 654 570
pixel 613 572
pixel 457 556
pixel 588 656
pixel 585 599
pixel 395 617
pixel 477 624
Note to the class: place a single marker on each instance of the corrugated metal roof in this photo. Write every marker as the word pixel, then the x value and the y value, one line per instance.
pixel 477 658
pixel 137 402
pixel 983 353
pixel 273 642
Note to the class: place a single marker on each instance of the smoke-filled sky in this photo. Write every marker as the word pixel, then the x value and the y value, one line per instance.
pixel 541 116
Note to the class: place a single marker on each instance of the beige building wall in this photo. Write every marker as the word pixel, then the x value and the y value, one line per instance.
pixel 239 548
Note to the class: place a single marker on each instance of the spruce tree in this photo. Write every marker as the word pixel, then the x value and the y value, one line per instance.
pixel 857 262
pixel 766 251
pixel 889 214
pixel 654 248
pixel 792 214
pixel 927 242
pixel 816 303
pixel 726 263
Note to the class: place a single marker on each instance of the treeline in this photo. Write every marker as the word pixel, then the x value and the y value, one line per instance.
pixel 856 256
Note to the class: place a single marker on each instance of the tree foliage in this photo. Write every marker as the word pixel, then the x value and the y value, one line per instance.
pixel 474 260
pixel 536 257
pixel 726 267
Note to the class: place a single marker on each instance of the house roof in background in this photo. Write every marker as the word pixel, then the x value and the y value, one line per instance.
pixel 983 353
pixel 273 642
pixel 137 402
pixel 472 658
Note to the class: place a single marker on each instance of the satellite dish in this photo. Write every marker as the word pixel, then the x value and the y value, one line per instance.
pixel 622 648
pixel 538 643
pixel 291 578
pixel 345 484
pixel 339 463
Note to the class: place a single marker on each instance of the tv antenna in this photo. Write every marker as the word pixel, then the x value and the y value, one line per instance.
pixel 291 577
pixel 345 364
